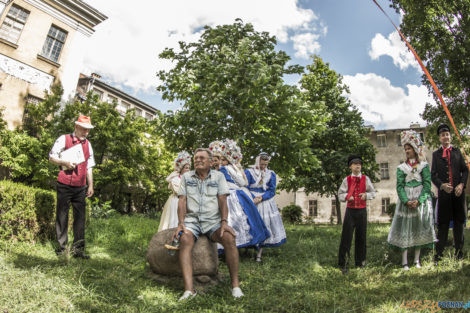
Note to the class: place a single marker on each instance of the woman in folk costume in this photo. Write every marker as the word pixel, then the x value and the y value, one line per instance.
pixel 412 225
pixel 243 216
pixel 262 184
pixel 216 148
pixel 169 217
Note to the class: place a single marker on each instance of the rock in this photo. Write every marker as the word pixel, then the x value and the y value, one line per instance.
pixel 203 279
pixel 205 259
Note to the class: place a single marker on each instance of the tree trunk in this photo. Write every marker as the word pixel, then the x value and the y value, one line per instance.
pixel 338 210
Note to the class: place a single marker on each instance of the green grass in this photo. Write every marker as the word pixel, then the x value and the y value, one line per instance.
pixel 300 276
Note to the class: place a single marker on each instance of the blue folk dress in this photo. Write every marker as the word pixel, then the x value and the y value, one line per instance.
pixel 263 184
pixel 243 215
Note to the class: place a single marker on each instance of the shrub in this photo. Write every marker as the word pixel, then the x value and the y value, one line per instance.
pixel 391 210
pixel 292 213
pixel 26 213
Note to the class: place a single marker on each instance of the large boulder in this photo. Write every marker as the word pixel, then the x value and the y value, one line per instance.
pixel 205 259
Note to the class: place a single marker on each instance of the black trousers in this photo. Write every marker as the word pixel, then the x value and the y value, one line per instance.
pixel 452 208
pixel 354 219
pixel 67 195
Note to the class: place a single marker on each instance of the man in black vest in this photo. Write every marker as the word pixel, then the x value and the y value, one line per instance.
pixel 449 173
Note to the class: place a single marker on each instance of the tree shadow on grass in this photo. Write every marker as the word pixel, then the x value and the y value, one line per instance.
pixel 102 283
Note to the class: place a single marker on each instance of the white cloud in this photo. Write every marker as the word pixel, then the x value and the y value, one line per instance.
pixel 306 44
pixel 125 47
pixel 384 105
pixel 395 48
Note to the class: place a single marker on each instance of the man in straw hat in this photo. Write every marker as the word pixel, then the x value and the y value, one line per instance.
pixel 72 185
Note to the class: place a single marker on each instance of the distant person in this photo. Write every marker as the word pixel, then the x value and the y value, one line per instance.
pixel 182 164
pixel 412 226
pixel 449 174
pixel 355 189
pixel 72 187
pixel 202 210
pixel 262 185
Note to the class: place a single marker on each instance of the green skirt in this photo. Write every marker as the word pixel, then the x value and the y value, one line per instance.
pixel 412 228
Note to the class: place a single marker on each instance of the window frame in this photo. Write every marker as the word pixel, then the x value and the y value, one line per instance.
pixel 333 207
pixel 313 208
pixel 381 143
pixel 385 205
pixel 14 20
pixel 52 46
pixel 383 169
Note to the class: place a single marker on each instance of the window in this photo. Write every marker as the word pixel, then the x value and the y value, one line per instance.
pixel 384 171
pixel 312 208
pixel 13 24
pixel 138 112
pixel 421 136
pixel 333 207
pixel 381 141
pixel 123 107
pixel 385 205
pixel 399 140
pixel 54 43
pixel 97 92
pixel 148 116
pixel 112 99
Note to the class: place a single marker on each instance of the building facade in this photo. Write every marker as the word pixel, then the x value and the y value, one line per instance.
pixel 108 93
pixel 390 154
pixel 41 43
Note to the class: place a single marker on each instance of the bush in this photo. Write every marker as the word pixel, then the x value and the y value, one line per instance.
pixel 391 210
pixel 292 213
pixel 26 213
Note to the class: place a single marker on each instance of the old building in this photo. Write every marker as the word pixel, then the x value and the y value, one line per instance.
pixel 389 155
pixel 41 42
pixel 110 94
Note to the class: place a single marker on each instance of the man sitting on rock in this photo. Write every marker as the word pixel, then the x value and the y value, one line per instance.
pixel 202 210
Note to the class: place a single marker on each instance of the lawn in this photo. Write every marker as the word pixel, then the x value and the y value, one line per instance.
pixel 300 276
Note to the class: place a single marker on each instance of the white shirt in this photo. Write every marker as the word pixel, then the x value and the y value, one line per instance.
pixel 343 189
pixel 59 146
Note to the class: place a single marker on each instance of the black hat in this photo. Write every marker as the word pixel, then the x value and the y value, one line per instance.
pixel 443 128
pixel 354 159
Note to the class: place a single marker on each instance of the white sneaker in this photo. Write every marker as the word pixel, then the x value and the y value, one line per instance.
pixel 418 264
pixel 406 267
pixel 237 292
pixel 187 294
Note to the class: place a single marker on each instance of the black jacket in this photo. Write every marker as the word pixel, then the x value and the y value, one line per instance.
pixel 440 168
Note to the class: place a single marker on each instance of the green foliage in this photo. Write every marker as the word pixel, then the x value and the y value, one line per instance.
pixel 292 213
pixel 26 213
pixel 439 32
pixel 345 134
pixel 23 156
pixel 132 160
pixel 391 210
pixel 231 85
pixel 101 210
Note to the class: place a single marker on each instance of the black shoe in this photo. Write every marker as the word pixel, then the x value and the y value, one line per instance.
pixel 81 256
pixel 459 255
pixel 345 270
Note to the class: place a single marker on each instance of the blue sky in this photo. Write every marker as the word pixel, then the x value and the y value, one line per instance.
pixel 354 37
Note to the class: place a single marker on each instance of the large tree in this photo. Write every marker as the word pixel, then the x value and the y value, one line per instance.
pixel 130 155
pixel 439 31
pixel 231 85
pixel 344 135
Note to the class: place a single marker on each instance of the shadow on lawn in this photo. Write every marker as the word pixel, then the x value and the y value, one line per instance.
pixel 103 282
